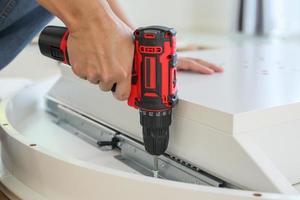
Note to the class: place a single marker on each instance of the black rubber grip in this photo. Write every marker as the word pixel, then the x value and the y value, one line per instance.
pixel 50 42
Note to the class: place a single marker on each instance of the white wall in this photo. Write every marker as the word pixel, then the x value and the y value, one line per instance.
pixel 283 17
pixel 185 15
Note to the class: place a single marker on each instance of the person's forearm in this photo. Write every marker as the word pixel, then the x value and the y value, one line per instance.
pixel 75 13
pixel 115 6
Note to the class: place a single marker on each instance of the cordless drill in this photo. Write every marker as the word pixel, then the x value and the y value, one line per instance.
pixel 153 85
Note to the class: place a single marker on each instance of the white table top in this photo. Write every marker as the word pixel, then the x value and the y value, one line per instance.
pixel 255 78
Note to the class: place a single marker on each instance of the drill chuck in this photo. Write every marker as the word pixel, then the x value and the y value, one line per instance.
pixel 156 130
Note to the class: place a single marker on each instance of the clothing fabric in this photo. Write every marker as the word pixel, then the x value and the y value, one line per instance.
pixel 20 21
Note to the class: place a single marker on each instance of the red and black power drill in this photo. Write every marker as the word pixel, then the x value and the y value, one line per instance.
pixel 153 87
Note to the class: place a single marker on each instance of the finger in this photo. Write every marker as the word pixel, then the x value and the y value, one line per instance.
pixel 95 81
pixel 79 72
pixel 106 86
pixel 123 89
pixel 184 63
pixel 209 65
pixel 93 76
pixel 196 67
pixel 189 64
pixel 75 70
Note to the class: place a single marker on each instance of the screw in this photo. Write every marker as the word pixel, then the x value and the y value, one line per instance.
pixel 162 165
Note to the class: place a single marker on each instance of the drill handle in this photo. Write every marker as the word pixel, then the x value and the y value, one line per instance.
pixel 53 44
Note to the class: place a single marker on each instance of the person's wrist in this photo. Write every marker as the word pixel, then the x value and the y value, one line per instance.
pixel 95 17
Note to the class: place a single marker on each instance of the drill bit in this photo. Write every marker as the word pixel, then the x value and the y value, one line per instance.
pixel 155 166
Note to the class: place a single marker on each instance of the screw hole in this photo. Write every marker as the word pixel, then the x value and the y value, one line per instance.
pixel 4 124
pixel 168 35
pixel 257 195
pixel 137 33
pixel 33 145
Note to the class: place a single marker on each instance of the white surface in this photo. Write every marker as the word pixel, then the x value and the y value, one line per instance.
pixel 59 175
pixel 10 86
pixel 257 94
pixel 190 137
pixel 56 140
pixel 255 78
pixel 210 129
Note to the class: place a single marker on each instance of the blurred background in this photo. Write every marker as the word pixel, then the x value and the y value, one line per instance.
pixel 209 24
pixel 258 17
